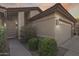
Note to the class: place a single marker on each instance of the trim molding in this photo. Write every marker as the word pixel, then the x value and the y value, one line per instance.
pixel 65 21
pixel 23 9
pixel 56 8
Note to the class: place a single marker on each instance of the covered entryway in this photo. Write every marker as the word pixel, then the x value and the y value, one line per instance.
pixel 62 32
pixel 11 25
pixel 15 20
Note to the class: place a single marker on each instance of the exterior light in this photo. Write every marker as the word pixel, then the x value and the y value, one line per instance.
pixel 57 24
pixel 4 24
pixel 16 22
pixel 60 22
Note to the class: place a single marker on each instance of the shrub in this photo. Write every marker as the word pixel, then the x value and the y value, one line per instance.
pixel 47 47
pixel 33 43
pixel 27 33
pixel 2 39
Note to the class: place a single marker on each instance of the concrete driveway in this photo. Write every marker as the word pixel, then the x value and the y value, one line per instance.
pixel 72 46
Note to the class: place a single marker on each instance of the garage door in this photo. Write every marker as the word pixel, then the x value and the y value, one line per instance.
pixel 63 33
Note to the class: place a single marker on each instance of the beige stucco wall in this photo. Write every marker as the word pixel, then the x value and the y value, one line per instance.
pixel 33 13
pixel 20 22
pixel 45 26
pixel 58 15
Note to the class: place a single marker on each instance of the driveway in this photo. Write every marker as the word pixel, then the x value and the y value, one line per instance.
pixel 17 49
pixel 72 46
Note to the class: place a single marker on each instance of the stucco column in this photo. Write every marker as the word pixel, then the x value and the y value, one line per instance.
pixel 20 22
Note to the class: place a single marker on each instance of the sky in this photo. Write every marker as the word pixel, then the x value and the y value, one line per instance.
pixel 72 8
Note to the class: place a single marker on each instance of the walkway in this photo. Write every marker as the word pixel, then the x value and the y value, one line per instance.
pixel 69 48
pixel 72 47
pixel 17 49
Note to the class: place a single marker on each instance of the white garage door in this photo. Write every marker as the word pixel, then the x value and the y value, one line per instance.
pixel 63 33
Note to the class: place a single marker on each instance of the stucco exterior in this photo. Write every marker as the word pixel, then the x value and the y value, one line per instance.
pixel 33 13
pixel 46 27
pixel 20 22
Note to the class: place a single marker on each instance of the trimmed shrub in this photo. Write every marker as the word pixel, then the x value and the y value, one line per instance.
pixel 33 43
pixel 2 39
pixel 47 47
pixel 27 32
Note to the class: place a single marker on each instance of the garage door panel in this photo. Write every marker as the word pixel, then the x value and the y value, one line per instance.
pixel 63 33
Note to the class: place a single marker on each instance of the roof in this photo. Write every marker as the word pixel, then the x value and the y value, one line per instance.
pixel 56 8
pixel 24 9
pixel 3 7
pixel 21 9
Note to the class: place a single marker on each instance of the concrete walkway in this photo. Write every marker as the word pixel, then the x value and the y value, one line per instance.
pixel 72 46
pixel 17 49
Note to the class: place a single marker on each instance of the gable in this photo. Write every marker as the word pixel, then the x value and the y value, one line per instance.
pixel 33 13
pixel 56 8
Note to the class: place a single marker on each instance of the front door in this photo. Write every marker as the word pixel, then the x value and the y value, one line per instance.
pixel 11 27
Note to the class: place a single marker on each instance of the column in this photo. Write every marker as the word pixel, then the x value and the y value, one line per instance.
pixel 20 22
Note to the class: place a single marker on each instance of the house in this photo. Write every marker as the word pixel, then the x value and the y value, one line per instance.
pixel 55 22
pixel 14 18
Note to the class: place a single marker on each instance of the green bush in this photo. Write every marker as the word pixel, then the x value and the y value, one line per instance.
pixel 2 39
pixel 27 32
pixel 47 47
pixel 33 43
